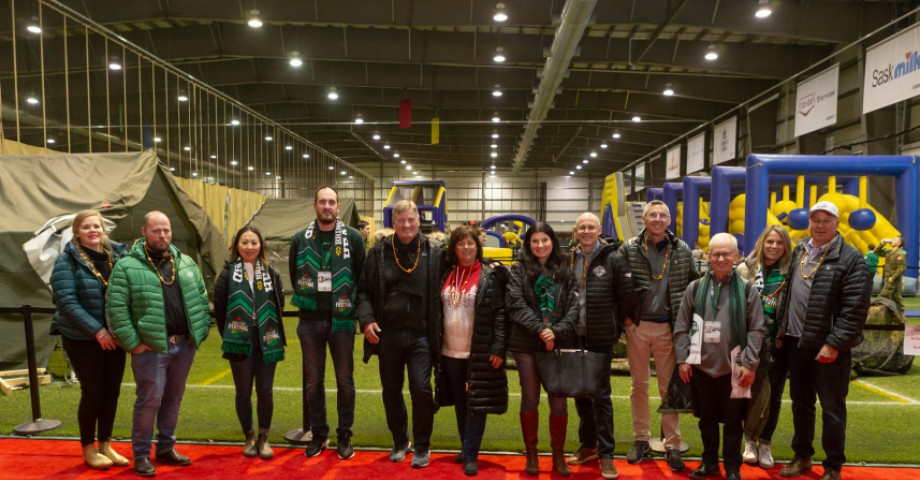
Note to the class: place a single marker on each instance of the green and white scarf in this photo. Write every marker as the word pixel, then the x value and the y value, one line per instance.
pixel 311 260
pixel 768 295
pixel 737 306
pixel 546 290
pixel 249 310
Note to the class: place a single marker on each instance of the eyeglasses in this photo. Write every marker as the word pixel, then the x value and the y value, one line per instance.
pixel 586 228
pixel 657 215
pixel 721 255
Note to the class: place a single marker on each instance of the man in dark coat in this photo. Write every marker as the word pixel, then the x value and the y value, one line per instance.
pixel 398 302
pixel 820 322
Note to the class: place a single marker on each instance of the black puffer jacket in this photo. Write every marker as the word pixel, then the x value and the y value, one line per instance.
pixel 839 299
pixel 681 269
pixel 609 297
pixel 487 387
pixel 524 313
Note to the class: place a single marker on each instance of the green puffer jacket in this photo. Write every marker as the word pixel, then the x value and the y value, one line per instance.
pixel 681 269
pixel 78 294
pixel 134 301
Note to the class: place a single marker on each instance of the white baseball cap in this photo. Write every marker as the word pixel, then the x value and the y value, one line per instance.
pixel 825 206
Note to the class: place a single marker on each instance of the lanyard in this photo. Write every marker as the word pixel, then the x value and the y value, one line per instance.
pixel 715 288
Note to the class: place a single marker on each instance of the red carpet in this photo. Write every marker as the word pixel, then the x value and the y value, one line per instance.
pixel 24 459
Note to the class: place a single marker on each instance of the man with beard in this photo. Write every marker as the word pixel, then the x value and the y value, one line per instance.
pixel 326 260
pixel 605 297
pixel 399 314
pixel 157 308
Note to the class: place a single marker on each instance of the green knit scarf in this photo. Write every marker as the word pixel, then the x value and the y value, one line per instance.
pixel 737 307
pixel 248 310
pixel 311 259
pixel 545 290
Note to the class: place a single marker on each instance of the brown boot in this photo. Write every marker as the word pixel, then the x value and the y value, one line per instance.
pixel 94 459
pixel 249 446
pixel 529 424
pixel 265 450
pixel 105 448
pixel 557 430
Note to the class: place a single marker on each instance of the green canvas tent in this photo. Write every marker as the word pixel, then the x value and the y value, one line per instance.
pixel 124 186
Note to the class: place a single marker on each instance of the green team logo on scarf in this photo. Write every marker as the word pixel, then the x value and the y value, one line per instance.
pixel 253 311
pixel 312 259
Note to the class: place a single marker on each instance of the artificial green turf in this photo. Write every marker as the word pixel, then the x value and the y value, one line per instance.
pixel 208 411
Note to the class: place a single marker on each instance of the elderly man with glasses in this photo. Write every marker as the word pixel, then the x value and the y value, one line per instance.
pixel 605 297
pixel 662 266
pixel 717 336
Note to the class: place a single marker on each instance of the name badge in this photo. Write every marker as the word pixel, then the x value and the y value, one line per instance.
pixel 324 281
pixel 712 332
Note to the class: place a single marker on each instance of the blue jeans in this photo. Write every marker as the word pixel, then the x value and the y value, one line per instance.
pixel 160 379
pixel 398 352
pixel 314 335
pixel 530 386
pixel 829 382
pixel 595 417
pixel 471 426
pixel 245 371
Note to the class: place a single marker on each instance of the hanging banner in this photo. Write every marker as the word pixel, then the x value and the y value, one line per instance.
pixel 672 163
pixel 816 101
pixel 696 153
pixel 724 141
pixel 892 70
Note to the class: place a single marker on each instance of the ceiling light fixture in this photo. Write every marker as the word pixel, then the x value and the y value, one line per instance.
pixel 711 53
pixel 255 19
pixel 305 156
pixel 332 95
pixel 182 97
pixel 376 136
pixel 616 135
pixel 194 174
pixel 251 168
pixel 187 148
pixel 295 60
pixel 386 147
pixel 593 155
pixel 585 161
pixel 494 134
pixel 668 90
pixel 500 14
pixel 603 145
pixel 235 122
pixel 331 167
pixel 499 55
pixel 234 163
pixel 172 169
pixel 31 100
pixel 493 155
pixel 114 63
pixel 764 10
pixel 577 167
pixel 408 167
pixel 359 120
pixel 571 172
pixel 51 141
pixel 496 118
pixel 343 172
pixel 492 166
pixel 636 118
pixel 497 92
pixel 402 162
pixel 268 138
pixel 213 157
pixel 268 174
pixel 289 147
pixel 157 139
pixel 395 154
pixel 33 26
pixel 494 145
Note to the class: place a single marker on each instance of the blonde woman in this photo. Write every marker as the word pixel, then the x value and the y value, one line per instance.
pixel 78 281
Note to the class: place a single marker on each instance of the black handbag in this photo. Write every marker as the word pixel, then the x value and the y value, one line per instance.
pixel 572 372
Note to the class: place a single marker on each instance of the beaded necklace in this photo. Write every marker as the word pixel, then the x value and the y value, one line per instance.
pixel 458 284
pixel 664 266
pixel 92 266
pixel 584 268
pixel 172 262
pixel 805 258
pixel 418 251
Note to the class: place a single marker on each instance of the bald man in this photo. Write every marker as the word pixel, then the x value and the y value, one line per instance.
pixel 605 298
pixel 157 308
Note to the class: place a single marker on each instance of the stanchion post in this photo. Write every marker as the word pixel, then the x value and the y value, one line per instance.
pixel 38 424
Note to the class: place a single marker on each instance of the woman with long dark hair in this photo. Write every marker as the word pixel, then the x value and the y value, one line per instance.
pixel 78 281
pixel 542 308
pixel 248 302
pixel 473 341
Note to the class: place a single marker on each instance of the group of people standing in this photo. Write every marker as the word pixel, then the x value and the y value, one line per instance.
pixel 448 313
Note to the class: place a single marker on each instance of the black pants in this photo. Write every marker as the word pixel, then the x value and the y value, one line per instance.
pixel 398 352
pixel 713 398
pixel 595 417
pixel 471 426
pixel 829 382
pixel 246 371
pixel 100 373
pixel 779 372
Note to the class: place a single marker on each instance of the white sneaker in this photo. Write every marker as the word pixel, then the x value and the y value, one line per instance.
pixel 750 453
pixel 766 458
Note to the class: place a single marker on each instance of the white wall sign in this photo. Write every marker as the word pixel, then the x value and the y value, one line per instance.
pixel 724 141
pixel 912 340
pixel 672 162
pixel 816 101
pixel 696 153
pixel 892 70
